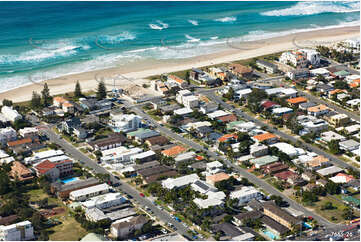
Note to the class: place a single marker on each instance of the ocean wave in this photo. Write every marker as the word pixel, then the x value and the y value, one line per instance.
pixel 311 8
pixel 42 53
pixel 214 37
pixel 191 39
pixel 117 38
pixel 161 25
pixel 226 19
pixel 194 22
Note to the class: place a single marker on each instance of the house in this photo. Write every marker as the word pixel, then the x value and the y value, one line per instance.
pixel 258 149
pixel 227 118
pixel 242 94
pixel 281 216
pixel 173 183
pixel 308 176
pixel 17 232
pixel 183 111
pixel 152 174
pixel 296 180
pixel 267 137
pixel 120 229
pixel 63 190
pixel 68 107
pixel 304 106
pixel 214 167
pixel 10 114
pixel 311 124
pixel 213 179
pixel 141 134
pixel 112 141
pixel 269 105
pixel 298 73
pixel 86 193
pixel 68 125
pixel 288 149
pixel 195 74
pixel 338 120
pixel 318 110
pixel 120 122
pixel 184 157
pixel 262 161
pixel 296 101
pixel 213 199
pixel 240 71
pixel 119 155
pixel 48 111
pixel 317 163
pixel 178 81
pixel 267 66
pixel 284 175
pixel 329 171
pixel 281 111
pixel 349 145
pixel 104 201
pixel 251 215
pixel 20 172
pixel 29 132
pixel 208 108
pixel 174 151
pixel 229 231
pixel 246 194
pixel 274 168
pixel 321 182
pixel 324 88
pixel 59 101
pixel 157 140
pixel 342 178
pixel 80 132
pixel 329 136
pixel 227 138
pixel 7 134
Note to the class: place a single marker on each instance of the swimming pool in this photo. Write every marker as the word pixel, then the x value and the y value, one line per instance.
pixel 269 234
pixel 306 225
pixel 69 180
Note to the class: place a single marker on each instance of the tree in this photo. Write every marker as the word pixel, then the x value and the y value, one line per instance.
pixel 332 188
pixel 334 147
pixel 327 206
pixel 45 93
pixel 35 101
pixel 102 91
pixel 7 102
pixel 347 213
pixel 77 91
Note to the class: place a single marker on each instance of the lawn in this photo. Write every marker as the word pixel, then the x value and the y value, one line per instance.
pixel 69 229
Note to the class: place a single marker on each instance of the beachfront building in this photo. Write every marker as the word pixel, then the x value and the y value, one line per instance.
pixel 120 122
pixel 10 114
pixel 17 232
pixel 267 66
pixel 312 56
pixel 294 58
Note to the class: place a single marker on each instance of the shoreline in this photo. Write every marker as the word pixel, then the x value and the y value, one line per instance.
pixel 138 71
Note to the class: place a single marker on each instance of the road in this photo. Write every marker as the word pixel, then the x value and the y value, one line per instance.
pixel 124 187
pixel 252 178
pixel 333 159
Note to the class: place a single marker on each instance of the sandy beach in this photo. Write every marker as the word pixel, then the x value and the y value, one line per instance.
pixel 136 72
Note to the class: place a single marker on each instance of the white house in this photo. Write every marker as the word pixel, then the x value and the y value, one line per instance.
pixel 171 183
pixel 86 193
pixel 10 114
pixel 17 232
pixel 29 132
pixel 297 59
pixel 124 122
pixel 121 228
pixel 7 134
pixel 214 167
pixel 246 194
pixel 104 201
pixel 181 94
pixel 312 56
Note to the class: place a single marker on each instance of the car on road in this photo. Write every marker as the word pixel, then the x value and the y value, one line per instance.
pixel 141 194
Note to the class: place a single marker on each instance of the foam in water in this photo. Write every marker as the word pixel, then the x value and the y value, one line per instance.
pixel 159 26
pixel 194 22
pixel 111 39
pixel 191 39
pixel 310 8
pixel 226 19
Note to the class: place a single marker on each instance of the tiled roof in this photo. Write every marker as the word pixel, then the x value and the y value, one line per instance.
pixel 18 170
pixel 175 150
pixel 317 108
pixel 297 100
pixel 226 137
pixel 19 142
pixel 45 166
pixel 265 136
pixel 218 177
pixel 177 79
pixel 284 175
pixel 228 118
pixel 317 161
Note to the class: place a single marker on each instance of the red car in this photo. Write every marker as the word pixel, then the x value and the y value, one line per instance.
pixel 141 194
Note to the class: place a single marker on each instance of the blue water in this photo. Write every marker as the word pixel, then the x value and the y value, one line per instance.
pixel 41 40
pixel 307 226
pixel 270 235
pixel 69 180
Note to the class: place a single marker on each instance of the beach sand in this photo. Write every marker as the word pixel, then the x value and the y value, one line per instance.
pixel 135 73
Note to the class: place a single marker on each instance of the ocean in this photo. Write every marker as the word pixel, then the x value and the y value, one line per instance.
pixel 42 40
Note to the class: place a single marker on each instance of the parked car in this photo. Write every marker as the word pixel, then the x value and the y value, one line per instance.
pixel 141 194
